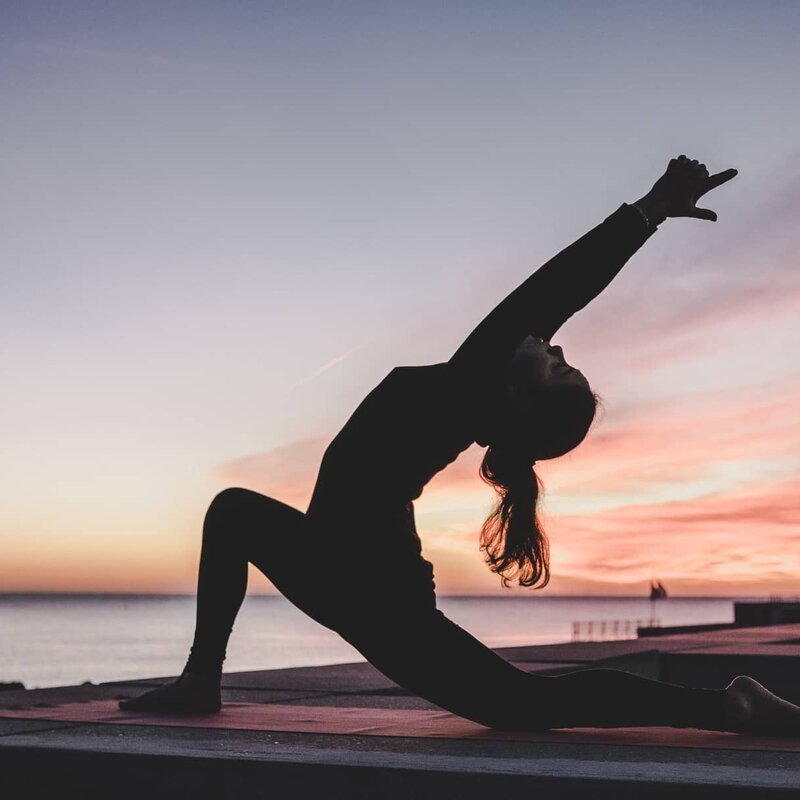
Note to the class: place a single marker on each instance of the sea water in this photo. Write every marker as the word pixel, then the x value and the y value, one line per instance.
pixel 61 640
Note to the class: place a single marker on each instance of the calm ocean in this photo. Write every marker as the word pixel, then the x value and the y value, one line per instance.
pixel 49 640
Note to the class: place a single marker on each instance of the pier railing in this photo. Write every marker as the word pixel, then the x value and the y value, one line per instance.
pixel 607 629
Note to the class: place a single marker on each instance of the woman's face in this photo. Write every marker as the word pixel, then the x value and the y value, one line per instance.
pixel 538 365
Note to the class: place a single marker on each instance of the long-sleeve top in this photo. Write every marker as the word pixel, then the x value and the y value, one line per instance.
pixel 418 419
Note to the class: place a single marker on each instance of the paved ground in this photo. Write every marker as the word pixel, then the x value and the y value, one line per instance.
pixel 346 731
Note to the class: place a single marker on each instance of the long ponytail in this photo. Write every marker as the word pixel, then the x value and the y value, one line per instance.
pixel 512 537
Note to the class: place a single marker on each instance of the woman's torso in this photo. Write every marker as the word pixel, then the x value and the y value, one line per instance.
pixel 412 425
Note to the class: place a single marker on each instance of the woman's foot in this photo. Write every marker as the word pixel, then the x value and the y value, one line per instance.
pixel 752 708
pixel 189 694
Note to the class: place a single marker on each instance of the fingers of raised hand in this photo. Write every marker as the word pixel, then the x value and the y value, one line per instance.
pixel 691 164
pixel 702 213
pixel 687 167
pixel 695 171
pixel 721 177
pixel 685 181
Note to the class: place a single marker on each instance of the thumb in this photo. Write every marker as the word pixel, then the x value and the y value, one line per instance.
pixel 702 213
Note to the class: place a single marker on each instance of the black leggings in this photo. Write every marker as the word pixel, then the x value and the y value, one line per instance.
pixel 415 646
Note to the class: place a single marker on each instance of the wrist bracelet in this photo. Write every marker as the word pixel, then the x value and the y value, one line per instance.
pixel 644 216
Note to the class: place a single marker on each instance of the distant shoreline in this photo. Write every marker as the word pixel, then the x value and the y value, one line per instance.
pixel 63 639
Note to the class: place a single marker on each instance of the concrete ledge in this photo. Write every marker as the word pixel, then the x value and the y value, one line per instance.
pixel 125 766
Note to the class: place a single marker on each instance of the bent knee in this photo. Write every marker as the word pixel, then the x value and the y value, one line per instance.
pixel 240 505
pixel 230 501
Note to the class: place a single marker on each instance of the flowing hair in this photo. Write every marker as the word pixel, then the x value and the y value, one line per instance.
pixel 512 537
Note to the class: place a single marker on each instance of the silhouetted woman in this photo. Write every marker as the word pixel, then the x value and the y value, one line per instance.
pixel 353 560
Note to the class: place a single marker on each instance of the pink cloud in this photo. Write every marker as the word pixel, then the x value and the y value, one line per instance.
pixel 748 536
pixel 670 442
pixel 286 473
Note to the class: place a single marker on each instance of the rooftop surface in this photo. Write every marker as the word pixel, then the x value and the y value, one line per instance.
pixel 348 731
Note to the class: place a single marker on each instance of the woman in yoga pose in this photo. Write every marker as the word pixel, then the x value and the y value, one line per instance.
pixel 353 561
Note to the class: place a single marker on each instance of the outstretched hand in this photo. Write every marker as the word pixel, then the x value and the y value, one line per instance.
pixel 676 192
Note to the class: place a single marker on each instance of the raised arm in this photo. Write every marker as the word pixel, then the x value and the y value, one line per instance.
pixel 574 277
pixel 559 288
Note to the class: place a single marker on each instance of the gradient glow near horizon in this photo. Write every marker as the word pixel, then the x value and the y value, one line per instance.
pixel 224 224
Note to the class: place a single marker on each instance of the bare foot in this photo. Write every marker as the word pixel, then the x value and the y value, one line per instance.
pixel 189 694
pixel 752 708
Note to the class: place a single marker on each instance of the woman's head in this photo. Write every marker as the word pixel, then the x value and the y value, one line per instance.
pixel 545 410
pixel 549 405
pixel 544 407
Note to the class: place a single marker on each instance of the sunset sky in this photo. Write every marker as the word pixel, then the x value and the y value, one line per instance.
pixel 224 223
